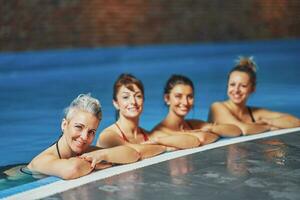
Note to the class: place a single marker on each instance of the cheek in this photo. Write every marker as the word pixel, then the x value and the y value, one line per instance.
pixel 90 139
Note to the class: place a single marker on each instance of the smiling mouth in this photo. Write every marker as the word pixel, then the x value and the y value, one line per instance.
pixel 183 108
pixel 133 109
pixel 79 143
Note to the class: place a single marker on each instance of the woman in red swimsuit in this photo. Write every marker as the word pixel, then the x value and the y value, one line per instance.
pixel 241 84
pixel 179 97
pixel 128 99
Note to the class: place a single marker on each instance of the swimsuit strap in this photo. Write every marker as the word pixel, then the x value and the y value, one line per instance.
pixel 57 149
pixel 125 138
pixel 251 114
pixel 123 135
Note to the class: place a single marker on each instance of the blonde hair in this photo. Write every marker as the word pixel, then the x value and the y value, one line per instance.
pixel 246 62
pixel 246 65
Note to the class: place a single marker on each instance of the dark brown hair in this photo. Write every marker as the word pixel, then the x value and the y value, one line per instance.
pixel 176 79
pixel 128 81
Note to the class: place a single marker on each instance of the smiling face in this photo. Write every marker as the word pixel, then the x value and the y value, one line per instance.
pixel 180 99
pixel 239 87
pixel 129 102
pixel 79 130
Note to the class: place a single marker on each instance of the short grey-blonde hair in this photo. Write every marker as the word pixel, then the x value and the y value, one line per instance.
pixel 84 102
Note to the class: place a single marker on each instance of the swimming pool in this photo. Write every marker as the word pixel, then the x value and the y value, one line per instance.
pixel 36 86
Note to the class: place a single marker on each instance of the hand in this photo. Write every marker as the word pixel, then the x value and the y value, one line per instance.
pixel 102 166
pixel 208 127
pixel 93 157
pixel 150 141
pixel 263 121
pixel 171 149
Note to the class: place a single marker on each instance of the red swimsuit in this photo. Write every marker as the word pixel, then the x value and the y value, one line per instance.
pixel 125 138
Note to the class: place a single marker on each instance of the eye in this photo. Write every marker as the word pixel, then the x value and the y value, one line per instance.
pixel 92 132
pixel 140 96
pixel 125 97
pixel 232 84
pixel 177 96
pixel 78 127
pixel 191 97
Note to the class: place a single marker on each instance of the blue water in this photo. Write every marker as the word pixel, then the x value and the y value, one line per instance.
pixel 36 86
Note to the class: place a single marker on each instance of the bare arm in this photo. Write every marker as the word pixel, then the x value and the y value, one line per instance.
pixel 277 119
pixel 111 138
pixel 224 130
pixel 119 155
pixel 49 164
pixel 220 114
pixel 180 141
pixel 203 137
pixel 147 150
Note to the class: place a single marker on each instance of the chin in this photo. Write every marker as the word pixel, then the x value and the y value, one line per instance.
pixel 79 150
pixel 182 114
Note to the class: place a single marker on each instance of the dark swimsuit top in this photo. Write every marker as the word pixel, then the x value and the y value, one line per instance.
pixel 251 114
pixel 126 139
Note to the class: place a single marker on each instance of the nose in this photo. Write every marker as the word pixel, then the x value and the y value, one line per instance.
pixel 185 101
pixel 133 100
pixel 237 88
pixel 84 135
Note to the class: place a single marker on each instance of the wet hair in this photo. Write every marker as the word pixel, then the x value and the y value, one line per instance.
pixel 246 65
pixel 84 102
pixel 127 80
pixel 177 79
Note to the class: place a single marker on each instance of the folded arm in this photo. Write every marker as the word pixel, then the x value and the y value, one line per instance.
pixel 172 139
pixel 220 114
pixel 71 168
pixel 112 139
pixel 277 119
pixel 118 155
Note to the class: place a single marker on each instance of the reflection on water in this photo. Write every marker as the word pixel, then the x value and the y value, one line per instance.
pixel 11 176
pixel 237 160
pixel 275 151
pixel 240 158
pixel 179 167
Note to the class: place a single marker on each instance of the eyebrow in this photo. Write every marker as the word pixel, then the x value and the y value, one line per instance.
pixel 78 123
pixel 137 92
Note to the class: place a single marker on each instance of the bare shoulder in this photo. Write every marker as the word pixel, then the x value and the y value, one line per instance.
pixel 159 130
pixel 43 158
pixel 109 137
pixel 218 105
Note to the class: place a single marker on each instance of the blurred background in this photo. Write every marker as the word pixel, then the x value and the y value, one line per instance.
pixel 53 50
pixel 44 24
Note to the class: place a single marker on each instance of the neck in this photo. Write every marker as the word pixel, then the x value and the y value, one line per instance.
pixel 239 109
pixel 174 121
pixel 63 148
pixel 130 126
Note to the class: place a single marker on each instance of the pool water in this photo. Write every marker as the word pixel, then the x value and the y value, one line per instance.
pixel 36 86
